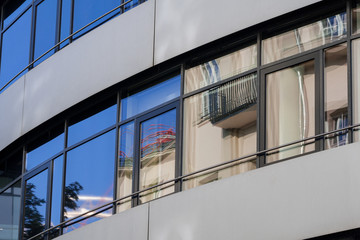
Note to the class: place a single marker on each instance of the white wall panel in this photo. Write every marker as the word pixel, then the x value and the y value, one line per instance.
pixel 300 198
pixel 131 224
pixel 182 25
pixel 11 109
pixel 112 52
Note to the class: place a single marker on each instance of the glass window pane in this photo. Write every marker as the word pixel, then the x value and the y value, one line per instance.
pixel 138 102
pixel 126 158
pixel 356 18
pixel 221 68
pixel 56 193
pixel 93 185
pixel 157 154
pixel 45 28
pixel 132 4
pixel 86 11
pixel 10 212
pixel 15 48
pixel 65 21
pixel 356 85
pixel 46 146
pixel 35 204
pixel 290 110
pixel 304 38
pixel 336 95
pixel 220 125
pixel 84 126
pixel 13 9
pixel 10 169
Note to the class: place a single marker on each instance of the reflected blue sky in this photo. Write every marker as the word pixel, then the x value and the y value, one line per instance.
pixel 91 166
pixel 16 13
pixel 65 21
pixel 56 191
pixel 126 148
pixel 92 125
pixel 150 97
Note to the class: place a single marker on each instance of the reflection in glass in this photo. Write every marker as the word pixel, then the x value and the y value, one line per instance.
pixel 86 11
pixel 90 176
pixel 290 110
pixel 132 4
pixel 12 9
pixel 138 102
pixel 35 204
pixel 356 18
pixel 83 128
pixel 10 169
pixel 45 28
pixel 125 170
pixel 304 38
pixel 15 48
pixel 56 193
pixel 356 86
pixel 157 154
pixel 45 147
pixel 65 21
pixel 220 125
pixel 10 212
pixel 221 68
pixel 336 95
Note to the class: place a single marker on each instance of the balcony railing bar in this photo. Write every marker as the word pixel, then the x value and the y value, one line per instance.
pixel 246 158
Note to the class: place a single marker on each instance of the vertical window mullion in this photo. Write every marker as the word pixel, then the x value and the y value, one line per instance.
pixel 260 111
pixel 32 32
pixel 117 143
pixel 349 69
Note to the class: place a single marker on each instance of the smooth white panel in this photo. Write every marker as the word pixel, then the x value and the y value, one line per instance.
pixel 131 224
pixel 114 51
pixel 11 108
pixel 300 198
pixel 182 25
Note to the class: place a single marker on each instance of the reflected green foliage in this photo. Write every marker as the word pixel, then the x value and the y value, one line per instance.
pixel 33 223
pixel 71 196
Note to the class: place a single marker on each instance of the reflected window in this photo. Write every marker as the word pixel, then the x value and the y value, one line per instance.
pixel 10 168
pixel 220 125
pixel 336 95
pixel 356 18
pixel 356 85
pixel 90 177
pixel 10 212
pixel 35 205
pixel 15 48
pixel 304 38
pixel 46 146
pixel 290 110
pixel 221 68
pixel 137 102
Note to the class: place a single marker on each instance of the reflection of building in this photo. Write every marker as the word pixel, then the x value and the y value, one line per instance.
pixel 255 103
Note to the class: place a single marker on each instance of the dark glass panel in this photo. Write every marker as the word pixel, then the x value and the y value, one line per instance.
pixel 86 11
pixel 290 110
pixel 15 48
pixel 46 146
pixel 45 29
pixel 219 126
pixel 35 204
pixel 10 212
pixel 10 169
pixel 90 123
pixel 13 9
pixel 336 95
pixel 138 102
pixel 356 86
pixel 125 170
pixel 157 154
pixel 90 175
pixel 65 21
pixel 56 192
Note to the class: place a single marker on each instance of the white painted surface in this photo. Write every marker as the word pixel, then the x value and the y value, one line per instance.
pixel 182 25
pixel 131 224
pixel 301 198
pixel 107 55
pixel 11 109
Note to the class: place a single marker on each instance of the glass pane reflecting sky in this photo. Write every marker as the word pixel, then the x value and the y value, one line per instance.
pixel 150 97
pixel 92 125
pixel 56 191
pixel 90 175
pixel 15 48
pixel 65 21
pixel 8 18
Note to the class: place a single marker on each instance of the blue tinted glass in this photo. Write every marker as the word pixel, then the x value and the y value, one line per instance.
pixel 10 212
pixel 44 152
pixel 86 11
pixel 56 191
pixel 149 98
pixel 10 16
pixel 15 48
pixel 92 125
pixel 131 4
pixel 35 205
pixel 90 175
pixel 65 21
pixel 45 29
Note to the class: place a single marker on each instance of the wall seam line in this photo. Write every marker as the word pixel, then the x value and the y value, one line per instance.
pixel 148 227
pixel 154 36
pixel 23 109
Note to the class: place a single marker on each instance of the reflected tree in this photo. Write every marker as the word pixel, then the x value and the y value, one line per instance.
pixel 71 196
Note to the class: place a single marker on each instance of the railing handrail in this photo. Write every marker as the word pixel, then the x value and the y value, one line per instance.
pixel 62 41
pixel 176 179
